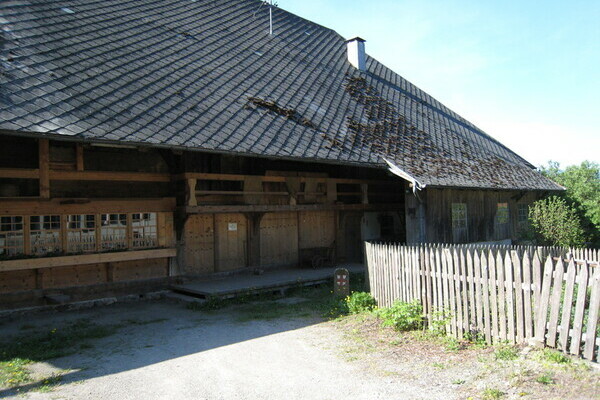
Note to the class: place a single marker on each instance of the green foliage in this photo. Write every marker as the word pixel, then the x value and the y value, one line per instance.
pixel 583 192
pixel 506 353
pixel 402 316
pixel 358 302
pixel 14 372
pixel 554 356
pixel 556 223
pixel 544 379
pixel 492 394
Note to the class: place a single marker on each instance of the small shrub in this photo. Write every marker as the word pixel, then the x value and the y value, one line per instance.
pixel 556 223
pixel 403 316
pixel 360 301
pixel 506 353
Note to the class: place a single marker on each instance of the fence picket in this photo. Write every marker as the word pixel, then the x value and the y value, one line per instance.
pixel 542 314
pixel 519 307
pixel 457 293
pixel 527 296
pixel 582 282
pixel 565 324
pixel 510 298
pixel 471 285
pixel 493 296
pixel 557 290
pixel 501 296
pixel 590 332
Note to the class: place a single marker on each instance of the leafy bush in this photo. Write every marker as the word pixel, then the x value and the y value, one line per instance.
pixel 402 316
pixel 556 223
pixel 360 301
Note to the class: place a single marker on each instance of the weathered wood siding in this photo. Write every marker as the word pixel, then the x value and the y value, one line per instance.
pixel 279 239
pixel 481 206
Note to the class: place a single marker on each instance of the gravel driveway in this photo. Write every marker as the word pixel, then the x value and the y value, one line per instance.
pixel 165 351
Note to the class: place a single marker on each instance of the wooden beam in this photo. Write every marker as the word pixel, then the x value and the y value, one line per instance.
pixel 240 177
pixel 19 173
pixel 190 192
pixel 44 167
pixel 109 176
pixel 83 259
pixel 79 156
pixel 216 209
pixel 84 206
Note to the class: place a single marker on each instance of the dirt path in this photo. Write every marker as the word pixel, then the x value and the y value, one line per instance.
pixel 164 351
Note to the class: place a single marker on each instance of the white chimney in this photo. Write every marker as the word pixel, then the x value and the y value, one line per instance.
pixel 356 53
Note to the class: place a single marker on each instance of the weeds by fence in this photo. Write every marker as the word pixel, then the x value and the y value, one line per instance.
pixel 496 293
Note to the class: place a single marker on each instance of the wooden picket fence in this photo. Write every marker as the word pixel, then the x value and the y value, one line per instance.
pixel 497 293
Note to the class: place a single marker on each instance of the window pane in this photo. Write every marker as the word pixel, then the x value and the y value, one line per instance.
pixel 502 213
pixel 81 233
pixel 11 236
pixel 144 230
pixel 114 232
pixel 45 234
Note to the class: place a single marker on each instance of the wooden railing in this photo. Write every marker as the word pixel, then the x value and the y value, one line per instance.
pixel 496 293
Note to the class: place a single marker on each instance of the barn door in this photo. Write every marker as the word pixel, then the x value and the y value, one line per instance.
pixel 279 239
pixel 231 242
pixel 199 238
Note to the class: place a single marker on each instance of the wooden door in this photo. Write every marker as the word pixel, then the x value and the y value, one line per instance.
pixel 199 241
pixel 352 231
pixel 230 242
pixel 279 239
pixel 317 229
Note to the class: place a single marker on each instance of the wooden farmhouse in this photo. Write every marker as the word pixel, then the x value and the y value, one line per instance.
pixel 142 140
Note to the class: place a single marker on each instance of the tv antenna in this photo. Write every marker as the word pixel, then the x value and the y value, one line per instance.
pixel 270 4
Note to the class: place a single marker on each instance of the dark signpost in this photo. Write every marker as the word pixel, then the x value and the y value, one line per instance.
pixel 341 282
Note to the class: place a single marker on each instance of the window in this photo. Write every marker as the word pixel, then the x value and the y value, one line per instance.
pixel 40 235
pixel 11 236
pixel 459 223
pixel 144 230
pixel 114 231
pixel 81 233
pixel 502 213
pixel 44 234
pixel 523 214
pixel 459 215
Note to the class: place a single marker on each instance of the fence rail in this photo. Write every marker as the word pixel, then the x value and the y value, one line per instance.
pixel 499 293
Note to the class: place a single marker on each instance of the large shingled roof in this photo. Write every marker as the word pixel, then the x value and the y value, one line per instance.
pixel 205 74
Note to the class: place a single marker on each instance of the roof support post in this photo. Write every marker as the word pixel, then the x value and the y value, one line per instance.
pixel 44 167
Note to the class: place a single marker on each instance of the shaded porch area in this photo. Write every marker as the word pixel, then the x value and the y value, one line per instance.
pixel 274 280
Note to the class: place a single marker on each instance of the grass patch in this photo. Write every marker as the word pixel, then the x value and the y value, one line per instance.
pixel 545 379
pixel 14 372
pixel 49 383
pixel 492 394
pixel 506 353
pixel 554 356
pixel 19 351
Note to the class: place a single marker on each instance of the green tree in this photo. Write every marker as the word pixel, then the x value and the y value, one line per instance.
pixel 555 222
pixel 583 192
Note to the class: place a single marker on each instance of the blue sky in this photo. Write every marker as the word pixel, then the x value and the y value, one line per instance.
pixel 526 72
